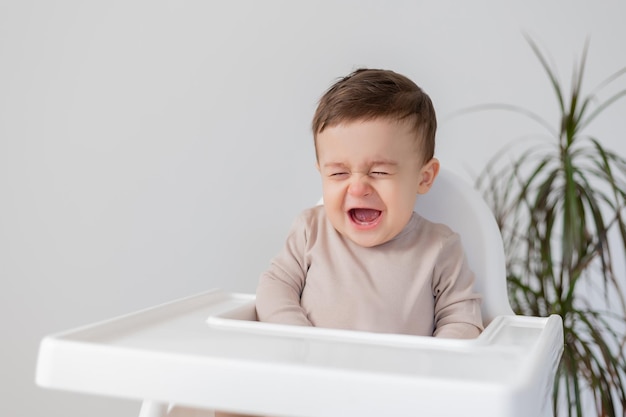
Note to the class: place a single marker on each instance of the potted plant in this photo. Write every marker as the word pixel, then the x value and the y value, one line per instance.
pixel 560 200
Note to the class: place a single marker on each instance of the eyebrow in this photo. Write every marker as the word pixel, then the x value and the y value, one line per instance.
pixel 334 165
pixel 384 162
pixel 375 162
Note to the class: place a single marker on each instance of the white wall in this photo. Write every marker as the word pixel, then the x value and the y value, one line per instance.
pixel 152 150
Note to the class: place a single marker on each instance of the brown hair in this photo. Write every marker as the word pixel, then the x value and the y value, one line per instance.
pixel 368 94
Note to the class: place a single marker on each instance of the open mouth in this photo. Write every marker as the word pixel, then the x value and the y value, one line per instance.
pixel 364 216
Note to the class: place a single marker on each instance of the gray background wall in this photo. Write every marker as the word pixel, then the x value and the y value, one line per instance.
pixel 153 150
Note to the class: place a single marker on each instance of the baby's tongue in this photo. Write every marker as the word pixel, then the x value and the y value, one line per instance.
pixel 365 215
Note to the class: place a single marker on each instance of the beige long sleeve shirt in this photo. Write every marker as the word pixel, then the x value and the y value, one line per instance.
pixel 418 283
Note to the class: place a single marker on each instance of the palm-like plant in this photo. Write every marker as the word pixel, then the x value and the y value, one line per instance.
pixel 560 204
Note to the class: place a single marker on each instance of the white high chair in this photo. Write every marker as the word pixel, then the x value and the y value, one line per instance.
pixel 208 352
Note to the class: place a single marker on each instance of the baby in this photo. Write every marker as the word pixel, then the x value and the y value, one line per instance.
pixel 365 260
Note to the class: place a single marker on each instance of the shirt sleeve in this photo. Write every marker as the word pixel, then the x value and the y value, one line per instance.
pixel 457 306
pixel 280 286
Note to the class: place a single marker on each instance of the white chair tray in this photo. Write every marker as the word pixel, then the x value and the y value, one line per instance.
pixel 207 351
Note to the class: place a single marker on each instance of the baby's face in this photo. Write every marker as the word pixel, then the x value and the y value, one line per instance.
pixel 371 174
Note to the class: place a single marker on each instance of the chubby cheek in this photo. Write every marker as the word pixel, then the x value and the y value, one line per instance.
pixel 333 204
pixel 401 200
pixel 332 200
pixel 332 191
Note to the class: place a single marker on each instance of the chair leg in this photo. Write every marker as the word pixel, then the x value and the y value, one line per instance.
pixel 153 409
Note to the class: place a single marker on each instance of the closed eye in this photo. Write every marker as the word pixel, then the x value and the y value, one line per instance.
pixel 379 173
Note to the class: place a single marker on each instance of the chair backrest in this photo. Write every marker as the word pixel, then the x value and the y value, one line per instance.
pixel 454 202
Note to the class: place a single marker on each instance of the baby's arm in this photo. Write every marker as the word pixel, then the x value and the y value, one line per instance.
pixel 280 287
pixel 457 305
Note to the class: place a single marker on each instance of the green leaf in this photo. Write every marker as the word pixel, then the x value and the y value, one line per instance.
pixel 556 202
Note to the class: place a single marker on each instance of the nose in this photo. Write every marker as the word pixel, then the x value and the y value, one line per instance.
pixel 359 186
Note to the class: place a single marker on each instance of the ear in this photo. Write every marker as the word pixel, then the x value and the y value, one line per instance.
pixel 427 175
